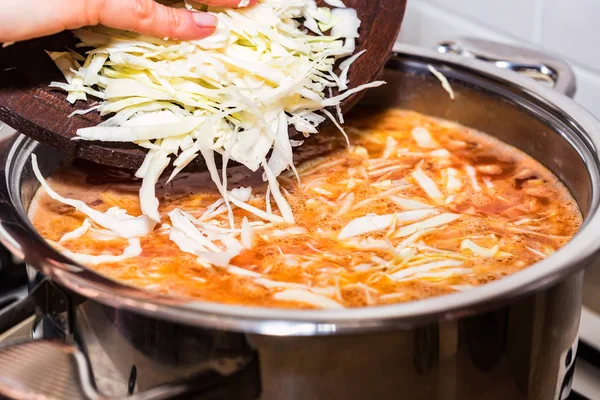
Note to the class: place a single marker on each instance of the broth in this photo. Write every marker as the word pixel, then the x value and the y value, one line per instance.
pixel 452 209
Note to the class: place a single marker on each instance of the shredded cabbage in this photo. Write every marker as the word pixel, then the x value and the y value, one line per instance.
pixel 438 220
pixel 423 138
pixel 453 183
pixel 473 177
pixel 304 296
pixel 428 185
pixel 247 234
pixel 442 79
pixel 191 240
pixel 133 249
pixel 372 223
pixel 120 223
pixel 234 92
pixel 425 268
pixel 76 233
pixel 409 204
pixel 480 251
pixel 438 275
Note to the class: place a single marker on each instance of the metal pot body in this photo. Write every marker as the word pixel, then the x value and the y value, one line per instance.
pixel 512 339
pixel 591 291
pixel 525 350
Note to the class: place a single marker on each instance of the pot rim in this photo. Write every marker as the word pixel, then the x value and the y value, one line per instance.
pixel 575 255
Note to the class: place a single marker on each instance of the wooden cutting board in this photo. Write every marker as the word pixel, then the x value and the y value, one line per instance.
pixel 31 107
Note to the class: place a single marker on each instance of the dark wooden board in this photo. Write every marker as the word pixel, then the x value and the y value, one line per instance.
pixel 38 111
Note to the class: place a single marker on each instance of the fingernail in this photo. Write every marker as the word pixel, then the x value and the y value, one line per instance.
pixel 205 19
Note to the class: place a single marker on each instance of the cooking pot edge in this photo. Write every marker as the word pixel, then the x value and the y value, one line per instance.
pixel 15 232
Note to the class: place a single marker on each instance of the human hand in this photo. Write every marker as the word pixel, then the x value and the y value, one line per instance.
pixel 21 20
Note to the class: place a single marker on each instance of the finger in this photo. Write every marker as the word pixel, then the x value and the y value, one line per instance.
pixel 25 20
pixel 150 18
pixel 228 3
pixel 21 20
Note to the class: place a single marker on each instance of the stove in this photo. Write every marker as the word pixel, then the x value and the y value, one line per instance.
pixel 27 323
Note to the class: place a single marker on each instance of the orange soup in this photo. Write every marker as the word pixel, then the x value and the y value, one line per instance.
pixel 416 207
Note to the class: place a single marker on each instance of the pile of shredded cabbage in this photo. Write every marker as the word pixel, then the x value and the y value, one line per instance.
pixel 235 92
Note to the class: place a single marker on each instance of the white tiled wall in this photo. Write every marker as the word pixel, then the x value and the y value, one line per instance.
pixel 568 28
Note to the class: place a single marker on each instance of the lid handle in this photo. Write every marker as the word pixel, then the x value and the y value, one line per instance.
pixel 536 64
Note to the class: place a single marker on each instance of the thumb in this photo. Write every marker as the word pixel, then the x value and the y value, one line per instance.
pixel 150 18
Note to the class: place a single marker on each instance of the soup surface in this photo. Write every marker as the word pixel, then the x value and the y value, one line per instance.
pixel 416 207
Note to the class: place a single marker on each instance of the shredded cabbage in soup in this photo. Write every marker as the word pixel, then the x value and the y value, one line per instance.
pixel 415 208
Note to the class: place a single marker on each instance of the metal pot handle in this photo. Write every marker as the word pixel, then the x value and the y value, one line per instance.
pixel 536 64
pixel 58 369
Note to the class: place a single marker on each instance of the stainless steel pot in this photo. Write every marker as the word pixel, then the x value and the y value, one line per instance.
pixel 511 339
